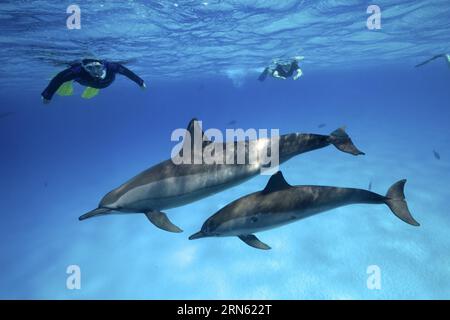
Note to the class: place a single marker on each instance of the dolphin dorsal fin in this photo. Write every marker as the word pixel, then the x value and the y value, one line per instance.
pixel 193 128
pixel 276 183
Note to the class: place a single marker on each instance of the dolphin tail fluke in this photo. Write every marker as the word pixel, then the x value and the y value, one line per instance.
pixel 94 213
pixel 341 140
pixel 160 220
pixel 395 199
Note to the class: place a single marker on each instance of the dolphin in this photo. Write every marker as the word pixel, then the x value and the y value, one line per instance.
pixel 280 203
pixel 169 185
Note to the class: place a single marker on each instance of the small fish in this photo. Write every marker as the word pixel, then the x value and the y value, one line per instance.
pixel 6 114
pixel 231 123
pixel 370 186
pixel 322 125
pixel 45 184
pixel 436 155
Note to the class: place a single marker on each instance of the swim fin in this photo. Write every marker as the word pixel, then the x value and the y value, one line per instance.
pixel 263 75
pixel 66 89
pixel 90 92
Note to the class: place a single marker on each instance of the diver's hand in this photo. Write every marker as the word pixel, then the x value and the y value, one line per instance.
pixel 298 75
pixel 277 75
pixel 143 87
pixel 45 101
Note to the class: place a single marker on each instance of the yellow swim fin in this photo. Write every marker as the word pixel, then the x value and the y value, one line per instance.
pixel 90 93
pixel 66 89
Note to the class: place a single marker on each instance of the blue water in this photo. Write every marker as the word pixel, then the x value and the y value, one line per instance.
pixel 201 60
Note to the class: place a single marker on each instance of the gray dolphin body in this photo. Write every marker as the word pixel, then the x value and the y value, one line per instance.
pixel 168 185
pixel 280 203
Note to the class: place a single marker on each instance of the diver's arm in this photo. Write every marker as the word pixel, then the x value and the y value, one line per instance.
pixel 56 82
pixel 128 73
pixel 429 60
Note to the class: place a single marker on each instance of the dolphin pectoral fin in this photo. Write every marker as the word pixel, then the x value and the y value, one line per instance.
pixel 160 220
pixel 254 242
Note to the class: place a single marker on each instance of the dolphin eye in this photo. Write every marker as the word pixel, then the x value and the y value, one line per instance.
pixel 253 219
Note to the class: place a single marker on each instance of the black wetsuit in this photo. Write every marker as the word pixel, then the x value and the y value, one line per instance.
pixel 284 70
pixel 287 70
pixel 77 73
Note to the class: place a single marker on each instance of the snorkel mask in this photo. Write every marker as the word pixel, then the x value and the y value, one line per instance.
pixel 95 68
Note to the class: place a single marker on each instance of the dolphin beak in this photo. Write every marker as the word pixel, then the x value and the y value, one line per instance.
pixel 94 213
pixel 197 235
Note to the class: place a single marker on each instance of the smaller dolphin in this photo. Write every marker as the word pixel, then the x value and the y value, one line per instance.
pixel 436 155
pixel 280 203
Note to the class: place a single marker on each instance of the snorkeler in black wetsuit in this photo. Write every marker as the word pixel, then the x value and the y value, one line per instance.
pixel 283 70
pixel 93 73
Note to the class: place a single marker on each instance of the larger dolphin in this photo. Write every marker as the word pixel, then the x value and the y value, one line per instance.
pixel 280 203
pixel 169 185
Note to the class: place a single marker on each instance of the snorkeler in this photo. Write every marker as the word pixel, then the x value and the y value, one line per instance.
pixel 92 73
pixel 283 70
pixel 445 56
